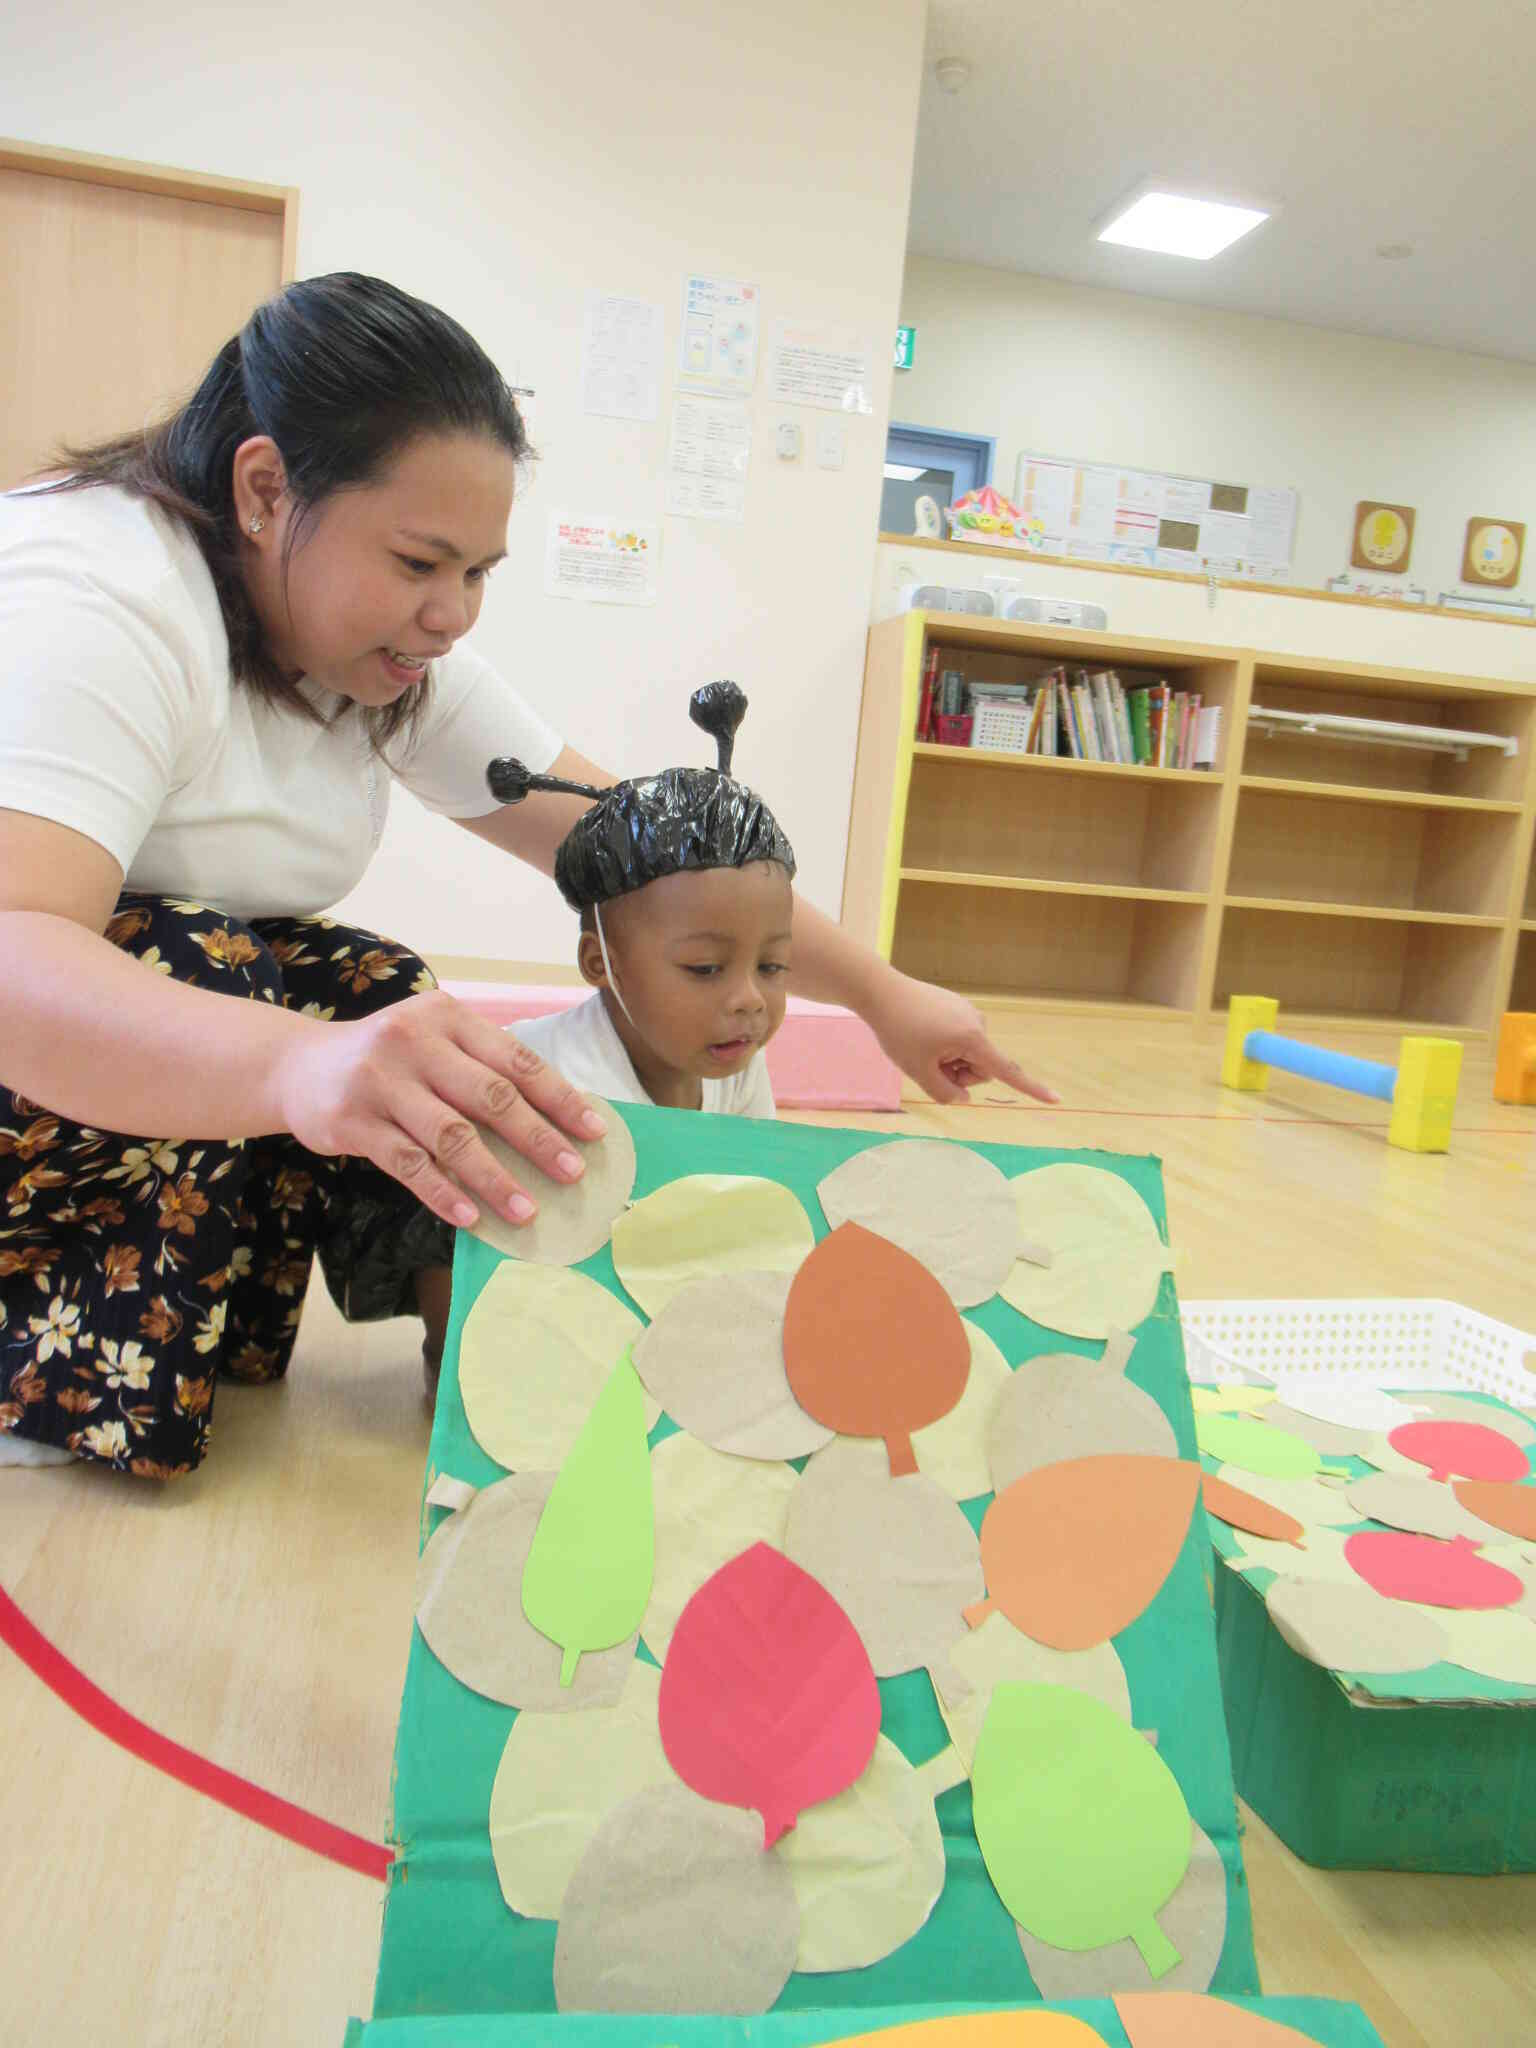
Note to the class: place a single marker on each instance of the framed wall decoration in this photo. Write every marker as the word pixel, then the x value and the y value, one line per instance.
pixel 1383 537
pixel 1493 551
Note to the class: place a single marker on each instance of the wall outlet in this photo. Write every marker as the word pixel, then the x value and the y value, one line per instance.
pixel 830 444
pixel 786 441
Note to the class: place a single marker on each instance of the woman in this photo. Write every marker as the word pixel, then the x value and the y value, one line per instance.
pixel 225 637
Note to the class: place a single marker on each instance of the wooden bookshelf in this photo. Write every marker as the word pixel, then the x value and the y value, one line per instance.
pixel 1366 885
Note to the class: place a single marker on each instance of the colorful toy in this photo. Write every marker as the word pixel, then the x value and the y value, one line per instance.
pixel 988 513
pixel 1421 1088
pixel 1514 1073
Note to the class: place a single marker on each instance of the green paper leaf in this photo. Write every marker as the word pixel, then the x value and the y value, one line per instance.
pixel 588 1575
pixel 1257 1447
pixel 1083 1826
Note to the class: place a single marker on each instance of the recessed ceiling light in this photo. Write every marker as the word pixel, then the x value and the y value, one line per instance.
pixel 1173 226
pixel 1394 252
pixel 953 73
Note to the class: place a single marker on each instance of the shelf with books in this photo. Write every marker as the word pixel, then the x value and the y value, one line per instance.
pixel 1112 949
pixel 1387 856
pixel 1143 832
pixel 1347 880
pixel 1340 966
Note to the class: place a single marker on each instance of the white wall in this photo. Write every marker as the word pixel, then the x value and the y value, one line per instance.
pixel 501 160
pixel 1059 369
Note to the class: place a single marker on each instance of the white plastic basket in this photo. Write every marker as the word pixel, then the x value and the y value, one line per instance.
pixel 1001 724
pixel 1390 1343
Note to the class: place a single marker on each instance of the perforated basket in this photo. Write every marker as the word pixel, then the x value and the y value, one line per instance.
pixel 1390 1343
pixel 1001 725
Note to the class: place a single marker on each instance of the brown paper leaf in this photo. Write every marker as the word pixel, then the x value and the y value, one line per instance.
pixel 942 1203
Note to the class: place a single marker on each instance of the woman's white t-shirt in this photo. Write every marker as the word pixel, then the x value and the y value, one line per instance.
pixel 119 718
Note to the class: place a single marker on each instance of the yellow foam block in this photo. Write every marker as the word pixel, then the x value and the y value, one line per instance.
pixel 1424 1100
pixel 1245 1014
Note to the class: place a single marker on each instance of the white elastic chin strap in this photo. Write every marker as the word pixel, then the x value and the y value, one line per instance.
pixel 602 943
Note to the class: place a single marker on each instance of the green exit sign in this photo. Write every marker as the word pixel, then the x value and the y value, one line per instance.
pixel 906 347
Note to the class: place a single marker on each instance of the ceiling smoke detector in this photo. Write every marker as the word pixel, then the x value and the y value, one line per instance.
pixel 953 74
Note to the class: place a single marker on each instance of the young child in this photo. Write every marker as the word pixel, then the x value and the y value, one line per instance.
pixel 682 882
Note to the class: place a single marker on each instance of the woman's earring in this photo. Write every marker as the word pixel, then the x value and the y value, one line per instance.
pixel 257 523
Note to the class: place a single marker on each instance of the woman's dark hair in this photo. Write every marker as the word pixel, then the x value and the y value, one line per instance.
pixel 341 372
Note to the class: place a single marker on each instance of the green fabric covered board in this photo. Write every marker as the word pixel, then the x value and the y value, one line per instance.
pixel 1322 2020
pixel 451 1946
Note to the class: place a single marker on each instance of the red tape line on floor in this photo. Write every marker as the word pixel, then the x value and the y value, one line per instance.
pixel 70 1684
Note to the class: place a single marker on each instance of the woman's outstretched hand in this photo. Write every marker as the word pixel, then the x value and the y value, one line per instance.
pixel 406 1088
pixel 941 1040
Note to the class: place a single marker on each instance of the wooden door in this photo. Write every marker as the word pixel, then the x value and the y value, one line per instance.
pixel 122 281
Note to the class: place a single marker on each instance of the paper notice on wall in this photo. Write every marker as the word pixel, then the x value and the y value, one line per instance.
pixel 820 366
pixel 707 457
pixel 604 561
pixel 717 349
pixel 621 357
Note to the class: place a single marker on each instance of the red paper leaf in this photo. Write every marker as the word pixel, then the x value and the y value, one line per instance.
pixel 1469 1449
pixel 768 1700
pixel 1426 1569
pixel 1073 1552
pixel 873 1346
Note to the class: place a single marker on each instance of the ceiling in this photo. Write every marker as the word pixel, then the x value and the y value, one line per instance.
pixel 1361 122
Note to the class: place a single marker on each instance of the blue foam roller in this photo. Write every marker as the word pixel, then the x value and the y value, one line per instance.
pixel 1317 1063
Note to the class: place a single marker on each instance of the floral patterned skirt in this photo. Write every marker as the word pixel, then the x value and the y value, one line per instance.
pixel 136 1270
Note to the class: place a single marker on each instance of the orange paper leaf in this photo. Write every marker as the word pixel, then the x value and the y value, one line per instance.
pixel 1074 1552
pixel 873 1346
pixel 1243 1510
pixel 1190 2019
pixel 1501 1503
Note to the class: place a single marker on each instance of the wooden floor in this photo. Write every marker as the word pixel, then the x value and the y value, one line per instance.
pixel 261 1611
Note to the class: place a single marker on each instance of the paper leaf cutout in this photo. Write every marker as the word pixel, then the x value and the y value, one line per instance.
pixel 1256 1446
pixel 588 1575
pixel 1243 1510
pixel 867 1866
pixel 1497 1643
pixel 1468 1450
pixel 940 1202
pixel 575 1218
pixel 1323 1557
pixel 1352 1628
pixel 1315 1503
pixel 953 1451
pixel 1107 1259
pixel 591 1762
pixel 469 1606
pixel 768 1700
pixel 1065 1406
pixel 714 1359
pixel 1351 1404
pixel 535 1353
pixel 1511 1422
pixel 1233 1400
pixel 897 1555
pixel 1194 1920
pixel 708 1508
pixel 703 1225
pixel 1417 1504
pixel 997 1652
pixel 1018 2028
pixel 1183 2019
pixel 1436 1574
pixel 1082 1826
pixel 1075 1552
pixel 1500 1504
pixel 872 1344
pixel 674 1909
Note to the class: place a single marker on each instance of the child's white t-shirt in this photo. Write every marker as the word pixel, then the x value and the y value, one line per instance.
pixel 581 1044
